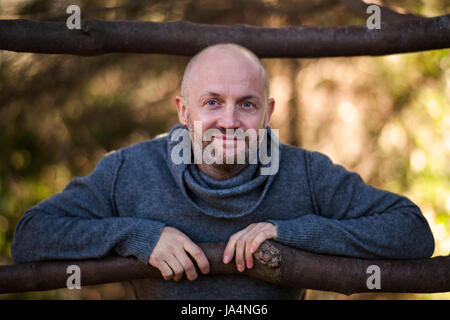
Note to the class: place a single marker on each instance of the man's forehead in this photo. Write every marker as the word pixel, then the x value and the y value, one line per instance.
pixel 232 86
pixel 220 57
pixel 232 72
pixel 225 64
pixel 222 72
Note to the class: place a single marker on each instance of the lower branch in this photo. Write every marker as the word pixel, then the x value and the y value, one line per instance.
pixel 274 263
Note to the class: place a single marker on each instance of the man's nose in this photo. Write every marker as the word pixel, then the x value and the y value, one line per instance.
pixel 229 118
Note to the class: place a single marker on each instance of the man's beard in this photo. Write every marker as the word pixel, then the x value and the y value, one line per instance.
pixel 214 153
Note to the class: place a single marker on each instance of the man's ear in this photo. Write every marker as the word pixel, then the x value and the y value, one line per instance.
pixel 269 111
pixel 182 110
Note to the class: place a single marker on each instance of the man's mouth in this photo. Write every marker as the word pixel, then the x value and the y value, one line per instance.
pixel 226 139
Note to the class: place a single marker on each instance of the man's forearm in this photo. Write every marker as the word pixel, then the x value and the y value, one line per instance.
pixel 400 234
pixel 41 236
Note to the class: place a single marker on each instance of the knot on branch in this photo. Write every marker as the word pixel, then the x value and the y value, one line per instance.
pixel 85 27
pixel 268 255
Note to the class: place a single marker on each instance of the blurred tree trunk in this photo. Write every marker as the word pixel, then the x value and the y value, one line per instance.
pixel 294 107
pixel 294 68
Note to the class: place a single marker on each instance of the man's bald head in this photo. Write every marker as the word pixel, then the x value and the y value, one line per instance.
pixel 212 53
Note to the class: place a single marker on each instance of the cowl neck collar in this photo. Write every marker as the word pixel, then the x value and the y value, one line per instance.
pixel 235 197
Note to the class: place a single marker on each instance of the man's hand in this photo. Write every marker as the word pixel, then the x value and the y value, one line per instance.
pixel 170 257
pixel 246 242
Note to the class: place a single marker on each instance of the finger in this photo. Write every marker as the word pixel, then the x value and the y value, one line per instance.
pixel 240 247
pixel 249 244
pixel 248 252
pixel 199 256
pixel 157 261
pixel 176 267
pixel 187 264
pixel 166 271
pixel 267 231
pixel 260 238
pixel 231 245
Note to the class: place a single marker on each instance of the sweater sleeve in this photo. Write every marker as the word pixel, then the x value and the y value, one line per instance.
pixel 354 219
pixel 81 222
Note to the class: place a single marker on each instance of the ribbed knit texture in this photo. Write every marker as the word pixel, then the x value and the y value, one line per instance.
pixel 123 205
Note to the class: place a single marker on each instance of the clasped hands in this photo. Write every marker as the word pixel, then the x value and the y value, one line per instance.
pixel 170 252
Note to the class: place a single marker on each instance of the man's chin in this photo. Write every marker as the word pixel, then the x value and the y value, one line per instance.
pixel 229 154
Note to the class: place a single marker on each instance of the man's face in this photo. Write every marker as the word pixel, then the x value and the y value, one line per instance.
pixel 226 92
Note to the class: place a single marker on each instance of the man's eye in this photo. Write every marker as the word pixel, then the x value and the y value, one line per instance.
pixel 211 102
pixel 248 104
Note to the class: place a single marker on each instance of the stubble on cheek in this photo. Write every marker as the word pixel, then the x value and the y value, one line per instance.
pixel 233 154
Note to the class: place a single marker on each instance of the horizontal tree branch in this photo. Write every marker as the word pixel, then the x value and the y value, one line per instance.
pixel 274 263
pixel 184 38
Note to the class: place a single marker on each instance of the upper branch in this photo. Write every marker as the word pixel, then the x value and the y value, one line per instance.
pixel 184 38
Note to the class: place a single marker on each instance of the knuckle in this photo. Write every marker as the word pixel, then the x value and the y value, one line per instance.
pixel 233 237
pixel 172 245
pixel 257 243
pixel 260 237
pixel 197 252
pixel 178 274
pixel 155 259
pixel 169 246
pixel 178 271
pixel 167 275
pixel 189 267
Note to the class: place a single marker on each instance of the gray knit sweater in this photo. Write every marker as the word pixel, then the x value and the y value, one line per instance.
pixel 123 205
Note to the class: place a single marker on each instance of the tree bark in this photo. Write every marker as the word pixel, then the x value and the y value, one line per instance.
pixel 274 263
pixel 184 38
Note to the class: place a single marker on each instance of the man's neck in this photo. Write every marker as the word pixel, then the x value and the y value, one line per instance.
pixel 221 172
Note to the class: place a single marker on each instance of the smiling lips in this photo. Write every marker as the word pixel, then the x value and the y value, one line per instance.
pixel 227 139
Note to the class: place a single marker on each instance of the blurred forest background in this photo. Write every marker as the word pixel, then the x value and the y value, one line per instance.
pixel 387 118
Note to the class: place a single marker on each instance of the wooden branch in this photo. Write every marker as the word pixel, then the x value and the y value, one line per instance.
pixel 274 263
pixel 184 38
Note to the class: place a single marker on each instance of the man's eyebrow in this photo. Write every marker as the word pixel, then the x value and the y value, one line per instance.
pixel 210 93
pixel 247 97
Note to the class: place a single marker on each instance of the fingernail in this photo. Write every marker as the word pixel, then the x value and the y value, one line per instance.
pixel 249 265
pixel 225 259
pixel 252 249
pixel 240 268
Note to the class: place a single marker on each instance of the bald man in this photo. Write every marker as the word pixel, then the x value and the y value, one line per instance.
pixel 156 199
